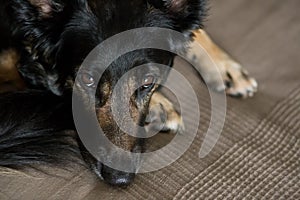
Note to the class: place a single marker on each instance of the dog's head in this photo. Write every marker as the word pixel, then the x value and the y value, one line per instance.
pixel 59 34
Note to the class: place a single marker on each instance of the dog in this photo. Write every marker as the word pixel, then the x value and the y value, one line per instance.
pixel 47 41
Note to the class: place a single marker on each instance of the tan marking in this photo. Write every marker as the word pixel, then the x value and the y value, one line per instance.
pixel 9 76
pixel 231 71
pixel 112 130
pixel 43 5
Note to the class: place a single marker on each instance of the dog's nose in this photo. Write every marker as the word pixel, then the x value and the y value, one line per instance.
pixel 115 177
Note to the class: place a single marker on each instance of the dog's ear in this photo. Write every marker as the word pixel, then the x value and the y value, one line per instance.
pixel 47 7
pixel 186 14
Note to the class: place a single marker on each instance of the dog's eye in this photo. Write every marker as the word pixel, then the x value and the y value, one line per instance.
pixel 148 82
pixel 87 79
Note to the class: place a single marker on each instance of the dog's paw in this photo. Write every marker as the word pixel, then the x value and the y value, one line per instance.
pixel 160 119
pixel 173 122
pixel 237 81
pixel 163 116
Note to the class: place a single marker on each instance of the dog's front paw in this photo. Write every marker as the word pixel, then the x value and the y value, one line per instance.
pixel 174 122
pixel 163 116
pixel 237 81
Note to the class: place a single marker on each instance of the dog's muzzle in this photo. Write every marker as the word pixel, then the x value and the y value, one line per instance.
pixel 115 177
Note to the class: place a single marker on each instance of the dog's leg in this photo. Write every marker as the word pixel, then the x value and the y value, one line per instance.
pixel 236 81
pixel 163 115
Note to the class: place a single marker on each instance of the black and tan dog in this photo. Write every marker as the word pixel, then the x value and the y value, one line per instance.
pixel 47 41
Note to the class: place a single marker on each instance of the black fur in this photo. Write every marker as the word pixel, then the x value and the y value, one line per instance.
pixel 53 37
pixel 36 127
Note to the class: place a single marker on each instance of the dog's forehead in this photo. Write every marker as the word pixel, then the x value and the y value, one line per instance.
pixel 116 3
pixel 117 8
pixel 115 16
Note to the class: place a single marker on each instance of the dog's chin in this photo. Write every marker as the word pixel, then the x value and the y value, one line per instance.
pixel 112 176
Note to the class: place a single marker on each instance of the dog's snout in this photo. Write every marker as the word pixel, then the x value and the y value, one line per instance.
pixel 115 177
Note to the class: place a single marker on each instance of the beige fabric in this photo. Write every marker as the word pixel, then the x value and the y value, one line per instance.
pixel 258 154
